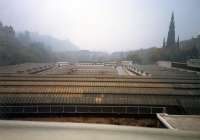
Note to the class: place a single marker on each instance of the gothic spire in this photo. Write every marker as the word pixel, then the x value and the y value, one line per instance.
pixel 164 45
pixel 178 42
pixel 171 32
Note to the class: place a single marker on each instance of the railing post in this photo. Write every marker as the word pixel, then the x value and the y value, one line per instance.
pixel 75 109
pixel 37 110
pixel 126 110
pixel 164 110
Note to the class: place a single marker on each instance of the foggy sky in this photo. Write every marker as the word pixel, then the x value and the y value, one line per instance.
pixel 104 25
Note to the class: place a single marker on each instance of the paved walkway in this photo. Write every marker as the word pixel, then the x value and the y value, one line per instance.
pixel 23 130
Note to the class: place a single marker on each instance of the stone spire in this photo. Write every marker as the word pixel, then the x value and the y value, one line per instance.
pixel 171 33
pixel 164 45
pixel 178 42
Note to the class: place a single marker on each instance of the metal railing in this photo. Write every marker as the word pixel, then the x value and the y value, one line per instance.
pixel 64 109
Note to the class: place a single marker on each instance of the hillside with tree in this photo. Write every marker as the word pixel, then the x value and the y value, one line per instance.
pixel 26 46
pixel 14 50
pixel 56 45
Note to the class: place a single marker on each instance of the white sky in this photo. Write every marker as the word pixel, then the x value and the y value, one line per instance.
pixel 104 25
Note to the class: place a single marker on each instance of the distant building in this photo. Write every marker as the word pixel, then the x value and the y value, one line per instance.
pixel 171 41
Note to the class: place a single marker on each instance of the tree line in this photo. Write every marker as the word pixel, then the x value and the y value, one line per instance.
pixel 188 49
pixel 15 49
